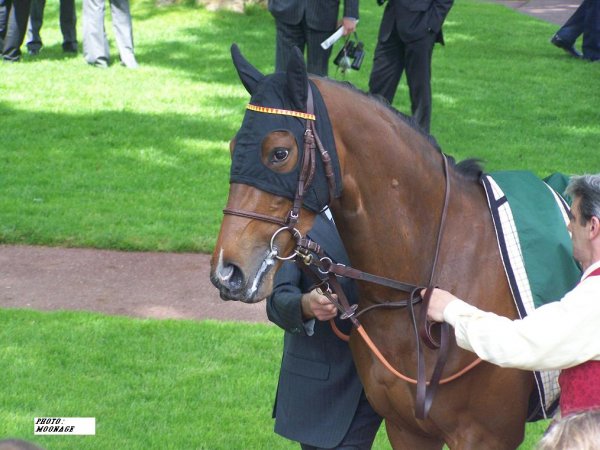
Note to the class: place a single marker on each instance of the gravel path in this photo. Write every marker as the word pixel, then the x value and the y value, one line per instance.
pixel 157 285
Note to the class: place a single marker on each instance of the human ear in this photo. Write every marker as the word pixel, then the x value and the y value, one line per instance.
pixel 594 227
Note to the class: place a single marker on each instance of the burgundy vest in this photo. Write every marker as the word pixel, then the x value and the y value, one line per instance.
pixel 580 385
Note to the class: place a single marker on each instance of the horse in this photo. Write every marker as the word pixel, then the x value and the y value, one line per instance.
pixel 387 190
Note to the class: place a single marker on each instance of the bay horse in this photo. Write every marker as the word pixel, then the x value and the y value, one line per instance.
pixel 388 214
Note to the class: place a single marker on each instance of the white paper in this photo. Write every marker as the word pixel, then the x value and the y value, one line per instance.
pixel 332 39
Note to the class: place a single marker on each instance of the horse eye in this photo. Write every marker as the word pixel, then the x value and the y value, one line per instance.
pixel 279 154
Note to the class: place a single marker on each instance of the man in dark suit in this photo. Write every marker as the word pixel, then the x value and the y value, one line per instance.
pixel 320 401
pixel 4 8
pixel 68 22
pixel 307 23
pixel 409 29
pixel 585 20
pixel 14 15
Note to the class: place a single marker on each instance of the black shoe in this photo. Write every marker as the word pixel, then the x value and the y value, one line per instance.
pixel 33 51
pixel 569 48
pixel 69 47
pixel 101 64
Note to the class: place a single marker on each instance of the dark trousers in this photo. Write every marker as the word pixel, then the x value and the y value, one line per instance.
pixel 585 20
pixel 4 8
pixel 591 31
pixel 393 57
pixel 17 14
pixel 68 22
pixel 303 37
pixel 362 431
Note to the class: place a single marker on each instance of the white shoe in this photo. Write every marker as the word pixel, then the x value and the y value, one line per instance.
pixel 129 61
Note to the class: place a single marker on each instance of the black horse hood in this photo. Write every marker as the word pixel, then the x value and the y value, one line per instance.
pixel 285 91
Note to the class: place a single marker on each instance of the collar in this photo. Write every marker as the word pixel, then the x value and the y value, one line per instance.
pixel 593 268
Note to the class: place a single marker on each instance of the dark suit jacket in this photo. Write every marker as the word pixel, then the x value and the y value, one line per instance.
pixel 320 14
pixel 319 388
pixel 413 19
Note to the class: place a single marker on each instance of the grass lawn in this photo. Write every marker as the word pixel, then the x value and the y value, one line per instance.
pixel 150 384
pixel 139 160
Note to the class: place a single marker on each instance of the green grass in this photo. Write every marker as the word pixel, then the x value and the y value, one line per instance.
pixel 138 160
pixel 150 384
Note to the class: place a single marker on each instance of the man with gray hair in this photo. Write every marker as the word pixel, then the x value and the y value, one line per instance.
pixel 558 335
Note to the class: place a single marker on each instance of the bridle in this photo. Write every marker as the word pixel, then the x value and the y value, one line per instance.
pixel 308 254
pixel 307 168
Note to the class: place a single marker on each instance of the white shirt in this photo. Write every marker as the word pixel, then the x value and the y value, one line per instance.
pixel 555 336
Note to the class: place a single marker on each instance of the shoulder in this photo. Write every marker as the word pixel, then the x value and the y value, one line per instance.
pixel 586 291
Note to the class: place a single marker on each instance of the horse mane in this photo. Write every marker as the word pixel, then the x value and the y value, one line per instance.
pixel 470 168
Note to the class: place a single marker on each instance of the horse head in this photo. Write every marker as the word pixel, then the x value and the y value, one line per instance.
pixel 273 177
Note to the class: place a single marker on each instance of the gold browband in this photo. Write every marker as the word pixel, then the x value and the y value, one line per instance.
pixel 285 112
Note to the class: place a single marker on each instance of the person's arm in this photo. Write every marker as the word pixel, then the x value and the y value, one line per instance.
pixel 351 9
pixel 349 24
pixel 350 16
pixel 554 336
pixel 290 308
pixel 439 11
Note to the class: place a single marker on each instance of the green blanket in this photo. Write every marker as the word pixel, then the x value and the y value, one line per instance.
pixel 543 235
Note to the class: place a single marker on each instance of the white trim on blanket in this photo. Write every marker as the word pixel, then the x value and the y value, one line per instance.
pixel 514 267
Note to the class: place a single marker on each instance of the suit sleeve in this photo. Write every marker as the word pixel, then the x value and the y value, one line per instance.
pixel 351 8
pixel 439 11
pixel 284 307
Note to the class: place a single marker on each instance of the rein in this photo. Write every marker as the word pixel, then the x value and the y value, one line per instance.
pixel 422 328
pixel 303 255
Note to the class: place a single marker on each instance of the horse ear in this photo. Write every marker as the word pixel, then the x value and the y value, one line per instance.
pixel 249 75
pixel 297 80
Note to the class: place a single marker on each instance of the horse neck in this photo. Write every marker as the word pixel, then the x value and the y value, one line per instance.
pixel 394 187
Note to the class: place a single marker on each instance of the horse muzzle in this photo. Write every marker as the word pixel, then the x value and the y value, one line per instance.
pixel 229 280
pixel 234 284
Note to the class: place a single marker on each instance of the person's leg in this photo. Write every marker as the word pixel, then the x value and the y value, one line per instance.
pixel 36 20
pixel 16 29
pixel 317 59
pixel 573 27
pixel 591 32
pixel 388 65
pixel 4 9
pixel 68 25
pixel 287 37
pixel 95 44
pixel 363 428
pixel 121 18
pixel 418 77
pixel 566 36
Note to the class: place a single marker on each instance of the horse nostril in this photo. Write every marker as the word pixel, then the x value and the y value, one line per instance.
pixel 225 274
pixel 231 276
